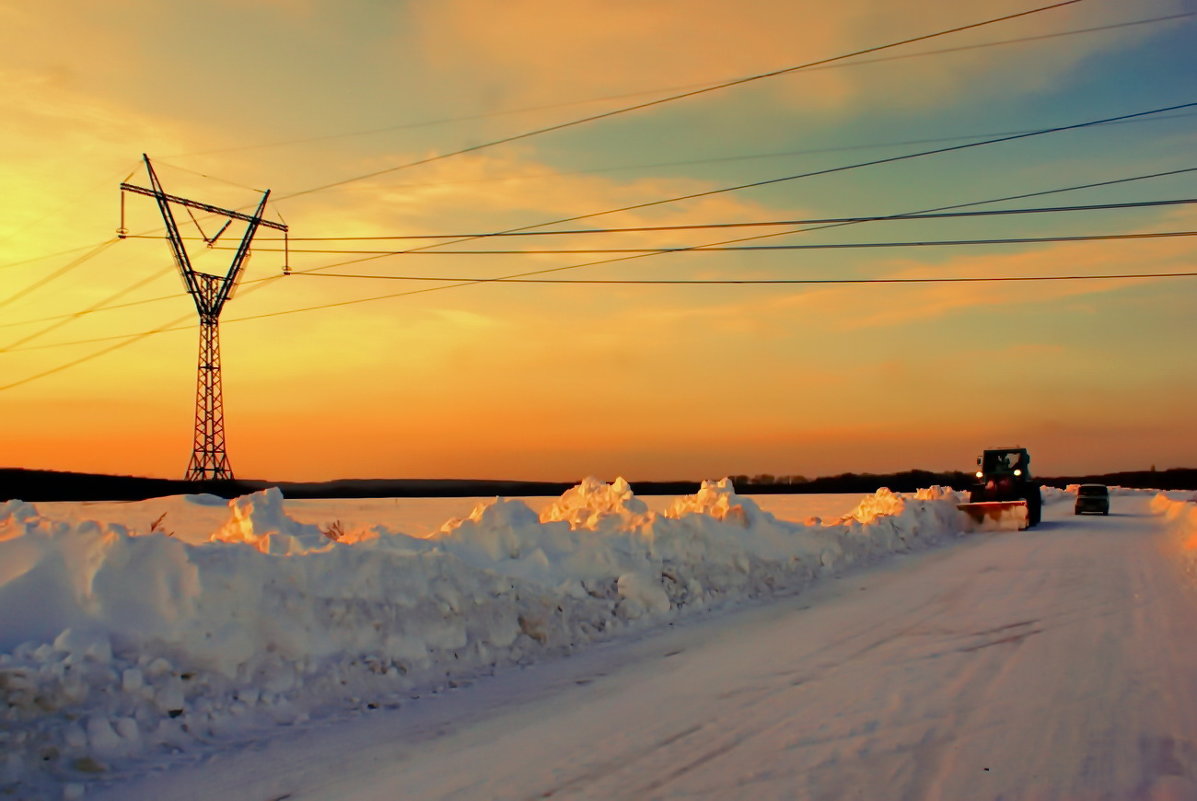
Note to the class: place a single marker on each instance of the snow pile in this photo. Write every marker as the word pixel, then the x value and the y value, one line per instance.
pixel 718 499
pixel 1070 491
pixel 1057 495
pixel 259 520
pixel 1180 515
pixel 597 506
pixel 116 644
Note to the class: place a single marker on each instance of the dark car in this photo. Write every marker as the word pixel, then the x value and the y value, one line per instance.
pixel 1093 499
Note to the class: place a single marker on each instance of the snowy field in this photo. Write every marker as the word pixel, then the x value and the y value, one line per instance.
pixel 125 650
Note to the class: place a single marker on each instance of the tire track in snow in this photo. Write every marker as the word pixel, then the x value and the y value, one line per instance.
pixel 623 760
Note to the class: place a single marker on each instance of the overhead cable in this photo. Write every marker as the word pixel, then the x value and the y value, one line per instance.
pixel 96 308
pixel 61 271
pixel 810 174
pixel 549 174
pixel 680 96
pixel 129 338
pixel 1023 196
pixel 617 259
pixel 773 281
pixel 821 246
pixel 755 224
pixel 677 88
pixel 872 163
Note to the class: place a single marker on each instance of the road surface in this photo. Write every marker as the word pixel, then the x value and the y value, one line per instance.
pixel 1057 663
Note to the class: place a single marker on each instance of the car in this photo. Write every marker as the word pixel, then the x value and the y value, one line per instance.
pixel 1092 499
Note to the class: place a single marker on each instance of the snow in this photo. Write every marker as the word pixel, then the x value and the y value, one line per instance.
pixel 1179 511
pixel 125 642
pixel 1055 663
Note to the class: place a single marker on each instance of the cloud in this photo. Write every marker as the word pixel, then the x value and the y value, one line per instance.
pixel 531 49
pixel 477 194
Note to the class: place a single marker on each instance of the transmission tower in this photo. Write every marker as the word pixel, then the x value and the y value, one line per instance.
pixel 209 460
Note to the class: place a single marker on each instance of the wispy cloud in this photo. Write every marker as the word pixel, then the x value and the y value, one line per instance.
pixel 541 48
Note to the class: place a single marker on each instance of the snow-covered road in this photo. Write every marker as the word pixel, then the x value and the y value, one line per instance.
pixel 1049 664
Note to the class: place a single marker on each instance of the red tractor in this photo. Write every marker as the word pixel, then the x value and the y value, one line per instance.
pixel 1004 484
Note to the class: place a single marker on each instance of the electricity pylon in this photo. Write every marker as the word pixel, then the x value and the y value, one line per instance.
pixel 209 460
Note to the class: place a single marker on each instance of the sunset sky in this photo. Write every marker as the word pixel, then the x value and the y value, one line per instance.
pixel 543 381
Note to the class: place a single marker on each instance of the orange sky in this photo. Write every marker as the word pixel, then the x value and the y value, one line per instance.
pixel 557 382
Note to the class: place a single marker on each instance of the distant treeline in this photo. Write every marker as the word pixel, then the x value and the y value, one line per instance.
pixel 50 485
pixel 1181 478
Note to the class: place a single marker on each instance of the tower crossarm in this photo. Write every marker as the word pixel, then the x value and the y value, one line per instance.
pixel 194 204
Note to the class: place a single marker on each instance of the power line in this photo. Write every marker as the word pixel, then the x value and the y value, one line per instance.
pixel 392 295
pixel 45 256
pixel 814 173
pixel 680 96
pixel 728 84
pixel 1023 196
pixel 772 281
pixel 713 88
pixel 717 191
pixel 168 326
pixel 64 319
pixel 59 320
pixel 96 308
pixel 54 212
pixel 749 248
pixel 874 162
pixel 406 293
pixel 513 277
pixel 735 82
pixel 89 310
pixel 526 176
pixel 174 324
pixel 676 88
pixel 755 224
pixel 127 341
pixel 61 271
pixel 1020 196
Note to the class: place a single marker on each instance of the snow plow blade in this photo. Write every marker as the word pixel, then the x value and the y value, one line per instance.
pixel 996 515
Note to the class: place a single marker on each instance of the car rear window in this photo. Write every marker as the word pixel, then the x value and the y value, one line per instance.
pixel 1093 491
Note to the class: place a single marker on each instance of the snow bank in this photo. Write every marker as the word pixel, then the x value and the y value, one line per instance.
pixel 116 644
pixel 1070 491
pixel 1180 516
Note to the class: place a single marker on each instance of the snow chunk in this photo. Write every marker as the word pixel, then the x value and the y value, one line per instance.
pixel 641 595
pixel 596 505
pixel 259 520
pixel 718 499
pixel 17 518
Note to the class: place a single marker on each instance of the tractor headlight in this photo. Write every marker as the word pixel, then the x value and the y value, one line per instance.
pixel 1018 472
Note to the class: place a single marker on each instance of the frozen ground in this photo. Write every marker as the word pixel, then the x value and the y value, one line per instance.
pixel 1052 656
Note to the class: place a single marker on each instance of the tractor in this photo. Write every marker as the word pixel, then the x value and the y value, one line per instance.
pixel 1004 491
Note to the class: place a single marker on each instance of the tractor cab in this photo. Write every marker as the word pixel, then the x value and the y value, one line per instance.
pixel 1002 462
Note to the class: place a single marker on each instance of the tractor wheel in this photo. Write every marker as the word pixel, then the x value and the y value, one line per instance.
pixel 1034 507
